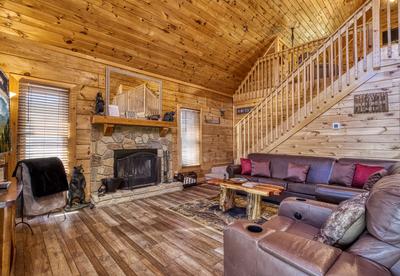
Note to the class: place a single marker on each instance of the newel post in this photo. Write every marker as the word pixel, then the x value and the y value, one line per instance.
pixel 376 35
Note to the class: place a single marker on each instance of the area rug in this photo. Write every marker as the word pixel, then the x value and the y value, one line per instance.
pixel 207 212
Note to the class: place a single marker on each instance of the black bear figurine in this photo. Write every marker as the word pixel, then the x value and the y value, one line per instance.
pixel 169 116
pixel 99 109
pixel 77 187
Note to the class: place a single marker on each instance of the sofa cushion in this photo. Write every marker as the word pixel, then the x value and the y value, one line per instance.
pixel 362 173
pixel 260 168
pixel 346 223
pixel 373 178
pixel 246 166
pixel 303 230
pixel 342 174
pixel 335 194
pixel 297 172
pixel 319 172
pixel 302 188
pixel 279 223
pixel 383 210
pixel 272 181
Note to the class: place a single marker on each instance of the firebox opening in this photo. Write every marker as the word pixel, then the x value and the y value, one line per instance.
pixel 138 167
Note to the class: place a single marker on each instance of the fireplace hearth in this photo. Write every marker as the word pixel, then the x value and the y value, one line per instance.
pixel 137 167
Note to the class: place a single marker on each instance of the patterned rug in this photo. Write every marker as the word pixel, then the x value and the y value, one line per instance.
pixel 207 212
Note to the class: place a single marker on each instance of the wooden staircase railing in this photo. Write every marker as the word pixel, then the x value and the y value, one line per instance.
pixel 347 58
pixel 269 70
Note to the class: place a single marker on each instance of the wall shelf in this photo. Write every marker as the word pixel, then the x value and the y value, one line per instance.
pixel 109 122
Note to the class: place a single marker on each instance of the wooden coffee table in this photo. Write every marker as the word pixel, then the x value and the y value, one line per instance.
pixel 253 208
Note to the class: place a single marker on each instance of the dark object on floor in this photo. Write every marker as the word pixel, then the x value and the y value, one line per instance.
pixel 47 175
pixel 179 177
pixel 102 190
pixel 188 179
pixel 169 116
pixel 77 187
pixel 153 117
pixel 99 109
pixel 112 184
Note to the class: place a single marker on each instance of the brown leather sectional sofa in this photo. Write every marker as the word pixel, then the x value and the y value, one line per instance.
pixel 317 183
pixel 285 246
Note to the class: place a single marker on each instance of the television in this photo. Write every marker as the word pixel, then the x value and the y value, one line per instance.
pixel 5 141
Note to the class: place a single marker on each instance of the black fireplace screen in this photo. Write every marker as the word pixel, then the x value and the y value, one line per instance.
pixel 138 168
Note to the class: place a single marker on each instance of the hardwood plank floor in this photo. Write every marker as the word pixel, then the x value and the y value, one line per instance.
pixel 140 237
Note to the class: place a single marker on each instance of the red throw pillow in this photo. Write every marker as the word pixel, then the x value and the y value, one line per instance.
pixel 246 166
pixel 362 173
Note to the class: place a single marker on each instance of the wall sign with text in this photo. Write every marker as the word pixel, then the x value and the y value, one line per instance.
pixel 371 103
pixel 243 110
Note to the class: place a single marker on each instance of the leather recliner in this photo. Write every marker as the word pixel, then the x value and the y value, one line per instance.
pixel 284 245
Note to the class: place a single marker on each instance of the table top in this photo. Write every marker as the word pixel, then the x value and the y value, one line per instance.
pixel 9 197
pixel 263 189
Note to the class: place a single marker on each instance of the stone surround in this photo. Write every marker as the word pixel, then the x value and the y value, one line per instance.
pixel 125 137
pixel 129 195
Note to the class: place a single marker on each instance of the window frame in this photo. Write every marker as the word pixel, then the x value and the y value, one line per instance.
pixel 199 109
pixel 72 115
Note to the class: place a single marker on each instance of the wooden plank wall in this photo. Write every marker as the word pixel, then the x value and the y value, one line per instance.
pixel 361 135
pixel 26 58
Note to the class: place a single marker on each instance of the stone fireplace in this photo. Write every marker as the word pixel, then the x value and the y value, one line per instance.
pixel 137 154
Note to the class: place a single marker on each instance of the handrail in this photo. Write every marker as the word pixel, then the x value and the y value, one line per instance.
pixel 271 77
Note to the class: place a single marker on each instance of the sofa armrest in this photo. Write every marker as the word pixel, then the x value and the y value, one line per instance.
pixel 232 170
pixel 307 211
pixel 240 247
pixel 287 254
pixel 335 193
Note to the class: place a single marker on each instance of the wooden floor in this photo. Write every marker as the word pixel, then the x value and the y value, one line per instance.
pixel 136 238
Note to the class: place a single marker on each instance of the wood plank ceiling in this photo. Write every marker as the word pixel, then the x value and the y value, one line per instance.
pixel 207 42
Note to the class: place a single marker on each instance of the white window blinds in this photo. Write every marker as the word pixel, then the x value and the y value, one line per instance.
pixel 43 122
pixel 190 137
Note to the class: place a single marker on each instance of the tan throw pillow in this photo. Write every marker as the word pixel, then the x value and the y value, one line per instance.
pixel 346 223
pixel 373 178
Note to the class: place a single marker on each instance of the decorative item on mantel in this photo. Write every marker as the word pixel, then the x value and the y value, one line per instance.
pixel 76 192
pixel 99 109
pixel 169 116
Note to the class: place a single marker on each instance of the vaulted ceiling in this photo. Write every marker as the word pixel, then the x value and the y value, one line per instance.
pixel 207 42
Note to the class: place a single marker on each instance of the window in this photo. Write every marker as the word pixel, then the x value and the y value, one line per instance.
pixel 43 122
pixel 190 137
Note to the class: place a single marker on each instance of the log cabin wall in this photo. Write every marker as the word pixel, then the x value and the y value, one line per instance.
pixel 25 58
pixel 374 135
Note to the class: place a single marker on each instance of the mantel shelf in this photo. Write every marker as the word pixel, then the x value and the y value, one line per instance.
pixel 109 122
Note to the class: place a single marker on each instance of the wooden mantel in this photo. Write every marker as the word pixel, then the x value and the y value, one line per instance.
pixel 109 122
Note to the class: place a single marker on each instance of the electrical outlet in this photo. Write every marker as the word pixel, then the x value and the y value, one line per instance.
pixel 336 125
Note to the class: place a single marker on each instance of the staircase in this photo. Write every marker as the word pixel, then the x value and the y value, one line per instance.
pixel 344 61
pixel 269 70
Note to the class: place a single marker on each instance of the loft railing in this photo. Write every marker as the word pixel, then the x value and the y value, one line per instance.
pixel 347 55
pixel 271 69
